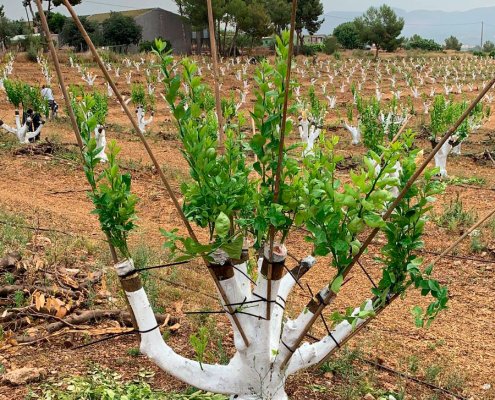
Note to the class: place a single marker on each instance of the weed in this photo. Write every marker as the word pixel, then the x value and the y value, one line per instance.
pixel 413 364
pixel 12 236
pixel 473 181
pixel 199 342
pixel 144 256
pixel 2 368
pixel 166 335
pixel 432 372
pixel 455 216
pixel 19 299
pixel 133 352
pixel 477 244
pixel 343 365
pixel 9 278
pixel 221 354
pixel 455 381
pixel 318 388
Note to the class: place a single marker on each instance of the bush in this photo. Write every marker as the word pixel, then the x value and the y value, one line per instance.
pixel 308 50
pixel 312 49
pixel 330 45
pixel 416 42
pixel 33 45
pixel 492 54
pixel 148 45
pixel 488 46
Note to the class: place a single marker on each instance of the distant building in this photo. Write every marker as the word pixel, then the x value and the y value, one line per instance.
pixel 314 39
pixel 156 22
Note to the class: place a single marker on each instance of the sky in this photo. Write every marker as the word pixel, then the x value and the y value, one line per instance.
pixel 14 9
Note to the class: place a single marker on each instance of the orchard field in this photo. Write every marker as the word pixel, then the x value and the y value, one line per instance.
pixel 45 214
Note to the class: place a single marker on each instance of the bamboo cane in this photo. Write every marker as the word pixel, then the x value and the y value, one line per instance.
pixel 396 296
pixel 72 117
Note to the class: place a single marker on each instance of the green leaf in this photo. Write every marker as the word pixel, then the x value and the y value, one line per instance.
pixel 222 225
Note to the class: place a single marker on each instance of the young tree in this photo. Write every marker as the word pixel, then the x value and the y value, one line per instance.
pixel 381 27
pixel 347 35
pixel 452 43
pixel 308 17
pixel 488 46
pixel 235 199
pixel 120 30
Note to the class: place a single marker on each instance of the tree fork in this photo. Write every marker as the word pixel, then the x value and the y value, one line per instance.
pixel 163 178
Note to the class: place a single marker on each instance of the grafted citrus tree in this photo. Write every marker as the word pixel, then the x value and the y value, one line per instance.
pixel 29 107
pixel 234 199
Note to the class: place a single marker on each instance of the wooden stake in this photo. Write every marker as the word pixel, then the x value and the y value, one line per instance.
pixel 214 58
pixel 170 192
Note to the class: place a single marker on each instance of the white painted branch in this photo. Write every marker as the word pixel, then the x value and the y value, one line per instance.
pixel 213 378
pixel 310 354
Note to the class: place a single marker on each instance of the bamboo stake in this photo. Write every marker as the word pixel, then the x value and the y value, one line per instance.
pixel 389 212
pixel 163 178
pixel 396 296
pixel 278 173
pixel 75 127
pixel 72 117
pixel 214 58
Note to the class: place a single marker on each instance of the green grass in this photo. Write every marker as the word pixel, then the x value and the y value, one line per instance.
pixel 455 216
pixel 473 181
pixel 104 384
pixel 12 237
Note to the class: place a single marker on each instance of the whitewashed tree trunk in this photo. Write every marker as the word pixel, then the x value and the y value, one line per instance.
pixel 21 130
pixel 141 118
pixel 257 371
pixel 441 158
pixel 309 132
pixel 355 133
pixel 101 142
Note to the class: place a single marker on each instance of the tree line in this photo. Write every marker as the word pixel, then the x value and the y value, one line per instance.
pixel 238 20
pixel 117 30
